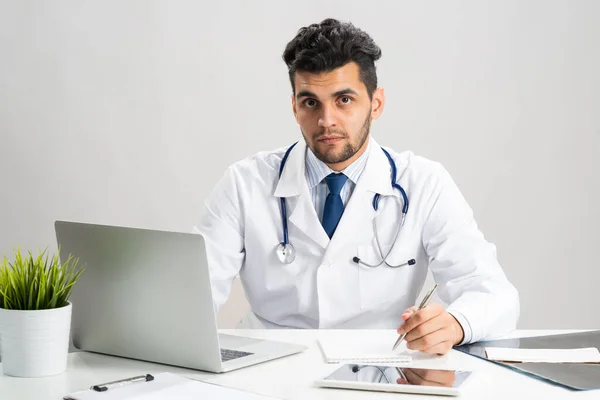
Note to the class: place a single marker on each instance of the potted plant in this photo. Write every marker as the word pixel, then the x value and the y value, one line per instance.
pixel 35 313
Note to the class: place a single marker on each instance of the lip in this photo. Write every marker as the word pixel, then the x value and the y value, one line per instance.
pixel 330 139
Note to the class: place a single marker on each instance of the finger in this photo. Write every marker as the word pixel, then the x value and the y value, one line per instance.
pixel 401 381
pixel 417 379
pixel 406 315
pixel 443 377
pixel 429 340
pixel 412 309
pixel 408 312
pixel 420 316
pixel 418 371
pixel 426 328
pixel 440 348
pixel 412 377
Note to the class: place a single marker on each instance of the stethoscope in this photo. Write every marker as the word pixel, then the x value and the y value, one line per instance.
pixel 382 375
pixel 286 253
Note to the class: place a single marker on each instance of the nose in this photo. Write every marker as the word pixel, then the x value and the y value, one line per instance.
pixel 328 117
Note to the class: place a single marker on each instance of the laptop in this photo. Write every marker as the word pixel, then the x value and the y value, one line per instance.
pixel 146 295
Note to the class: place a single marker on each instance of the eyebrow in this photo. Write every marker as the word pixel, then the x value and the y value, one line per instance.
pixel 306 93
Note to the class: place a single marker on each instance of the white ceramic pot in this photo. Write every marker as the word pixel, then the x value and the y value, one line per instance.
pixel 35 343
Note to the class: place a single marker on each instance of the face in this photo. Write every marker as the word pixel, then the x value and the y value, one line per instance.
pixel 334 112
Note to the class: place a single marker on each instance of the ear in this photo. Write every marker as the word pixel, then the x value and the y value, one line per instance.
pixel 294 107
pixel 377 103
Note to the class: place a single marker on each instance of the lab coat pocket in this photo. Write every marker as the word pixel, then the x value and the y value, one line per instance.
pixel 382 285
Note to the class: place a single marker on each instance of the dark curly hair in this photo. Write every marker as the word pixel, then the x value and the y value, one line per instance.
pixel 329 45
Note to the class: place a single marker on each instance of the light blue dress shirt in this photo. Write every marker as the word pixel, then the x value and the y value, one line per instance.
pixel 317 170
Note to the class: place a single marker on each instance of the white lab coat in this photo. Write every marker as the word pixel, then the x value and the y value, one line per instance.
pixel 323 287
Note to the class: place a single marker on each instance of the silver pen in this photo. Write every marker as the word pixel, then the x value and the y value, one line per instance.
pixel 111 385
pixel 423 304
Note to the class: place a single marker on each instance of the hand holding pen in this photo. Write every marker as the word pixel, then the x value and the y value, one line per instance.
pixel 429 328
pixel 407 313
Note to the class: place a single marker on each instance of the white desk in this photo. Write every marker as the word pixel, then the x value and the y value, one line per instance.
pixel 288 378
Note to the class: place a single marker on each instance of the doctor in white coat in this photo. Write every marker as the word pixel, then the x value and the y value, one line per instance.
pixel 350 262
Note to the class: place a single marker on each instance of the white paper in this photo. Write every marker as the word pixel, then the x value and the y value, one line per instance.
pixel 585 355
pixel 362 349
pixel 168 386
pixel 194 390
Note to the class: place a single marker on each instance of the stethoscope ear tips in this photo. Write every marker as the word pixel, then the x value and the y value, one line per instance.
pixel 412 262
pixel 357 260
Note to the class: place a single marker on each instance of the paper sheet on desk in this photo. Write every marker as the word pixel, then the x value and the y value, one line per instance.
pixel 351 348
pixel 585 355
pixel 168 386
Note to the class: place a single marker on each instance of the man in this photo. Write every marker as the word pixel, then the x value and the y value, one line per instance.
pixel 333 197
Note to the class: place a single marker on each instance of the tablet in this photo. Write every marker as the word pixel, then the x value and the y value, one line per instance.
pixel 397 379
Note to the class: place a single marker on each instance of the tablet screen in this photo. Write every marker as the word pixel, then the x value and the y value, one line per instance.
pixel 399 376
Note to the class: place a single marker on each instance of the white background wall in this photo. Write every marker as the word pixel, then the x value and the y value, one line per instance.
pixel 127 112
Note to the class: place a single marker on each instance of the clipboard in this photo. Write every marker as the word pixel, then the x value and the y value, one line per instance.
pixel 161 386
pixel 570 375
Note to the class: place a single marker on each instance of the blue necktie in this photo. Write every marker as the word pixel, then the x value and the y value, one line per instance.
pixel 334 206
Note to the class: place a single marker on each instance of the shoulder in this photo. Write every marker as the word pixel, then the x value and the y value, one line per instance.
pixel 413 166
pixel 259 164
pixel 420 174
pixel 259 170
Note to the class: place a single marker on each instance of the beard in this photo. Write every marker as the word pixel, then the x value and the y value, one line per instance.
pixel 350 149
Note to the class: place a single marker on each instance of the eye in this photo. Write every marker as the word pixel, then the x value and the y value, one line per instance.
pixel 345 100
pixel 310 103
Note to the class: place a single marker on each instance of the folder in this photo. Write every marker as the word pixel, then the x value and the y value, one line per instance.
pixel 577 376
pixel 161 386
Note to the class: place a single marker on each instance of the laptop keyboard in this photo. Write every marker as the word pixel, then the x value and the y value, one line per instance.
pixel 228 354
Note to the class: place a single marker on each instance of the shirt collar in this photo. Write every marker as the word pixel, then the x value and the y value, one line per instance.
pixel 317 170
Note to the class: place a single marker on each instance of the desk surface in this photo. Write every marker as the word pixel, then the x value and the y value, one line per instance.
pixel 289 377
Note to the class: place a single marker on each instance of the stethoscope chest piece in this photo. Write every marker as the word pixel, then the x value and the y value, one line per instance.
pixel 286 253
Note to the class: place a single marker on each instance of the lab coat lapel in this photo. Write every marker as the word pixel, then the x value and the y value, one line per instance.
pixel 357 220
pixel 292 185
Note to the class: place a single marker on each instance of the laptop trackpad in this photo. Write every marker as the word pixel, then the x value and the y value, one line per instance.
pixel 236 342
